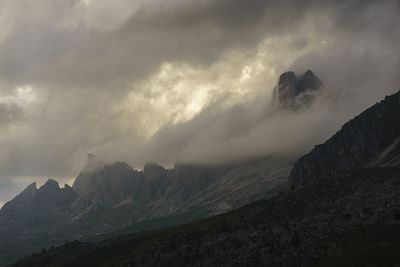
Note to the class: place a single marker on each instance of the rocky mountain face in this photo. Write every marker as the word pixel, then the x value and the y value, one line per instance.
pixel 371 139
pixel 156 191
pixel 32 219
pixel 294 92
pixel 35 203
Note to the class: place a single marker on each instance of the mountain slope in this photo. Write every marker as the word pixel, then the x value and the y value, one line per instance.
pixel 364 137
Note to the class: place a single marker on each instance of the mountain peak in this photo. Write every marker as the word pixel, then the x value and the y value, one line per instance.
pixel 51 186
pixel 293 92
pixel 85 180
pixel 308 82
pixel 308 73
pixel 287 77
pixel 30 187
pixel 152 165
pixel 22 199
pixel 50 183
pixel 67 186
pixel 153 170
pixel 29 191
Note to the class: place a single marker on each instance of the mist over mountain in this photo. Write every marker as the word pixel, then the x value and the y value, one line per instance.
pixel 114 196
pixel 140 81
pixel 341 209
pixel 122 117
pixel 294 92
pixel 106 197
pixel 109 196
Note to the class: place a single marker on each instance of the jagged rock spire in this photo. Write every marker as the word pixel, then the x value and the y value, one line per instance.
pixel 294 92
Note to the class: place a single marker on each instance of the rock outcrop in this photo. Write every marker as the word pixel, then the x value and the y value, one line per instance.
pixel 359 141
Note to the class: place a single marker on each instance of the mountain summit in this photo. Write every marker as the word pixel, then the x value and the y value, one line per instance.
pixel 294 92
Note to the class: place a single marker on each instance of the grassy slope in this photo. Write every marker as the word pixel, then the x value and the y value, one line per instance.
pixel 134 244
pixel 152 224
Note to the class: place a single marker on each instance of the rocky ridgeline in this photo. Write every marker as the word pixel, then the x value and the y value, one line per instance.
pixel 360 140
pixel 107 197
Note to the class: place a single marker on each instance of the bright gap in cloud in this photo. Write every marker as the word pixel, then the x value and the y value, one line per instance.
pixel 178 92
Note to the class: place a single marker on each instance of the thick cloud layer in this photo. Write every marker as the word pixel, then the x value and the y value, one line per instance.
pixel 186 80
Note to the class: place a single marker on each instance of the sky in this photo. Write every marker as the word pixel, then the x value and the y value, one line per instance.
pixel 179 80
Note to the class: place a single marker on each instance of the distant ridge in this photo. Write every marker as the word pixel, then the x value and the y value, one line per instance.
pixel 111 196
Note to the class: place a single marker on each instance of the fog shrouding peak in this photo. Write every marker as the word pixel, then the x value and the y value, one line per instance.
pixel 183 81
pixel 293 92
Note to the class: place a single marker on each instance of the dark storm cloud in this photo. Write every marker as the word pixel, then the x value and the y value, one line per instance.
pixel 197 32
pixel 192 31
